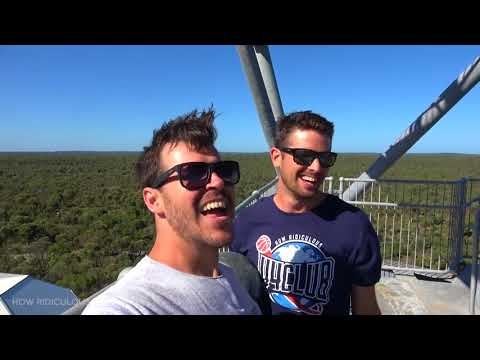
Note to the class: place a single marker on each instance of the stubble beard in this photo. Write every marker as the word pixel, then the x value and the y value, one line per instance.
pixel 185 225
pixel 293 189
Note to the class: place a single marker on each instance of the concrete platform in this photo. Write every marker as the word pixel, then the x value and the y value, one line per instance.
pixel 410 295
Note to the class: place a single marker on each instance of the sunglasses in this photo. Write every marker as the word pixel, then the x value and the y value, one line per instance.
pixel 305 157
pixel 195 175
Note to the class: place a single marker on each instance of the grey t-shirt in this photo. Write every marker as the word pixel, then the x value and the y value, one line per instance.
pixel 152 288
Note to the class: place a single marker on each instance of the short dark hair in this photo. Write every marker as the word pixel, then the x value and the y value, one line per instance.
pixel 195 129
pixel 303 120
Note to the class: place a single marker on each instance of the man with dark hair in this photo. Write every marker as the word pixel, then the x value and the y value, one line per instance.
pixel 316 253
pixel 189 192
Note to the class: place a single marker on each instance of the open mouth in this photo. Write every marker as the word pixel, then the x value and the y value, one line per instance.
pixel 308 179
pixel 217 208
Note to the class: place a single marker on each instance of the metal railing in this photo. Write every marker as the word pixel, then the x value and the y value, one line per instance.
pixel 419 222
pixel 257 194
pixel 472 194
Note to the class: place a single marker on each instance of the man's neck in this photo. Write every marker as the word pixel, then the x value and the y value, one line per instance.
pixel 185 257
pixel 289 203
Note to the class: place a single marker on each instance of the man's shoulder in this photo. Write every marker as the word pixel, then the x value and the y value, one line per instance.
pixel 119 299
pixel 127 296
pixel 110 304
pixel 335 201
pixel 260 206
pixel 334 208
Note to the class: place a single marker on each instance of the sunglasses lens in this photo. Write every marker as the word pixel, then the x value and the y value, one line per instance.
pixel 194 176
pixel 228 171
pixel 303 157
pixel 327 159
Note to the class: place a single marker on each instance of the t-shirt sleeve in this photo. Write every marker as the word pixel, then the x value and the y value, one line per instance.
pixel 366 259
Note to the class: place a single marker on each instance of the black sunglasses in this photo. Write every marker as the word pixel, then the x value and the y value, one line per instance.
pixel 305 157
pixel 195 175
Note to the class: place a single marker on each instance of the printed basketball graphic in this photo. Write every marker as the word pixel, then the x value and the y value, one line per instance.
pixel 264 245
pixel 298 275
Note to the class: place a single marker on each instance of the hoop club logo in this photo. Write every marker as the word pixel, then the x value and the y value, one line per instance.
pixel 297 273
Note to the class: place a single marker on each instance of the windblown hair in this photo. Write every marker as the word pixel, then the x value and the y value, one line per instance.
pixel 303 120
pixel 195 129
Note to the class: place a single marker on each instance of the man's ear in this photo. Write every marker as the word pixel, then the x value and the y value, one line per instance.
pixel 276 156
pixel 153 200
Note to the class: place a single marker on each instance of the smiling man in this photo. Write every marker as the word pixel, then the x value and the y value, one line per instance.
pixel 317 254
pixel 189 192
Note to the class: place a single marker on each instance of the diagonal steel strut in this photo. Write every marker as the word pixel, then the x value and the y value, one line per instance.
pixel 457 89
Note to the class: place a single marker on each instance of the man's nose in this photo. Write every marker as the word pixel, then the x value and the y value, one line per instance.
pixel 215 181
pixel 315 165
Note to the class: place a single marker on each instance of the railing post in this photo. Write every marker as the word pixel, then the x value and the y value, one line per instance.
pixel 459 224
pixel 474 274
pixel 330 185
pixel 340 188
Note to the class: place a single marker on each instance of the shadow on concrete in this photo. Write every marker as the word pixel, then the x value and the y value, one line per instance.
pixel 429 278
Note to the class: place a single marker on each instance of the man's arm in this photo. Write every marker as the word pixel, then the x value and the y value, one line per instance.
pixel 364 301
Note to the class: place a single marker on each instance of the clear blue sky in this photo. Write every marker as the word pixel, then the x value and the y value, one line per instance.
pixel 110 98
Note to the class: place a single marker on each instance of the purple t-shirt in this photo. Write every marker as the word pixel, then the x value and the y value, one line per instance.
pixel 309 261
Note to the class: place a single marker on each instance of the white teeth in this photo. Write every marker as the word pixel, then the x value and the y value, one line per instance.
pixel 214 205
pixel 308 178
